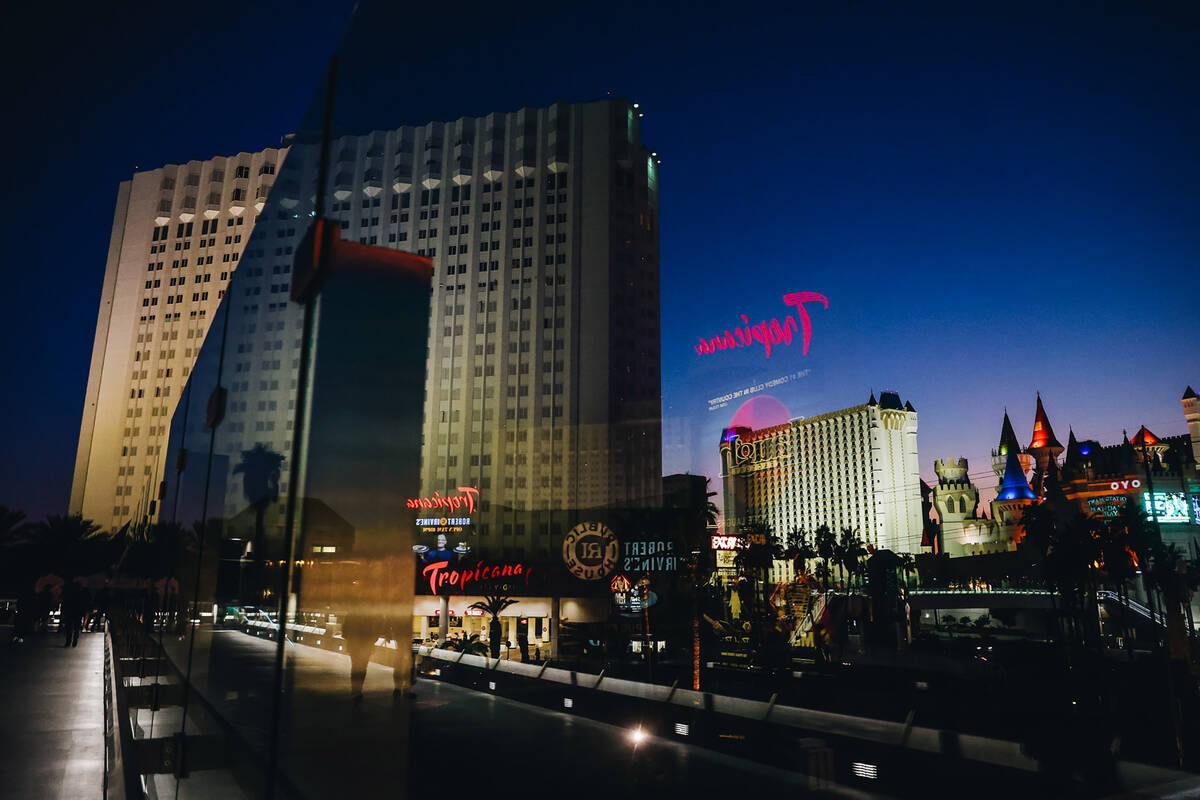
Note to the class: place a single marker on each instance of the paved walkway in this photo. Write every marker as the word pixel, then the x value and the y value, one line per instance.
pixel 51 717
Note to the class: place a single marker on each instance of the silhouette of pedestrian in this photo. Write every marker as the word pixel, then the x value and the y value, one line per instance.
pixel 71 614
pixel 360 631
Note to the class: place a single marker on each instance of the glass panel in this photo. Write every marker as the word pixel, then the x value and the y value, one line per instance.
pixel 460 461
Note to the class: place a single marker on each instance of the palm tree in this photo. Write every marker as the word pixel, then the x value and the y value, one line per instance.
pixel 70 545
pixel 260 469
pixel 492 605
pixel 799 550
pixel 757 550
pixel 850 552
pixel 14 530
pixel 825 542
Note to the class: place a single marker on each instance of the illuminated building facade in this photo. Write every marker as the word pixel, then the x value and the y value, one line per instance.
pixel 543 388
pixel 544 376
pixel 956 499
pixel 855 468
pixel 177 236
pixel 1156 474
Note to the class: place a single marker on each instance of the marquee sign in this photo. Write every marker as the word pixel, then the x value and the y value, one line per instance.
pixel 482 577
pixel 1166 506
pixel 464 500
pixel 767 334
pixel 443 524
pixel 653 555
pixel 1109 505
pixel 590 551
pixel 724 543
pixel 756 452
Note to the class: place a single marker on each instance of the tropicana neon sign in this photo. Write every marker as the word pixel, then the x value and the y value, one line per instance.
pixel 768 334
pixel 452 502
pixel 439 573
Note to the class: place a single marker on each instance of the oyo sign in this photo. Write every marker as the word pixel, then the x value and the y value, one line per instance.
pixel 724 542
pixel 1131 484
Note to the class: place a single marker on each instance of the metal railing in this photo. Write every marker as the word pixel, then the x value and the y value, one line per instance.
pixel 121 778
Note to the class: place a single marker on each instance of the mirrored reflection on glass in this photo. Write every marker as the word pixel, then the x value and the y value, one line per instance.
pixel 456 463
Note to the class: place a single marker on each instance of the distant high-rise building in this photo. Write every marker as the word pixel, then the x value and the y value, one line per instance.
pixel 177 236
pixel 544 389
pixel 855 468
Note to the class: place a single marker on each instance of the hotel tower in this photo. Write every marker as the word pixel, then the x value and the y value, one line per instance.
pixel 543 387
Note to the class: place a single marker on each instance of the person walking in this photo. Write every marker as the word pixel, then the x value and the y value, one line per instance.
pixel 71 613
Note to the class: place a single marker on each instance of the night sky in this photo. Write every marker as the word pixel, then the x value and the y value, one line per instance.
pixel 993 203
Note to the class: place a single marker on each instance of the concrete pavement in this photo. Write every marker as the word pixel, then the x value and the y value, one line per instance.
pixel 51 717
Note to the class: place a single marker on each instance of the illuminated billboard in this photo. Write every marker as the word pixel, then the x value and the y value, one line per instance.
pixel 1166 506
pixel 1109 505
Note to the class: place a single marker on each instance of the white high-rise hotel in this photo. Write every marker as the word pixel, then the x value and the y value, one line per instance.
pixel 854 468
pixel 543 388
pixel 178 234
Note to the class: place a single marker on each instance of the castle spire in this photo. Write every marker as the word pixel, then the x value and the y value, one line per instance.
pixel 1008 439
pixel 1043 434
pixel 1074 455
pixel 1014 486
pixel 1143 437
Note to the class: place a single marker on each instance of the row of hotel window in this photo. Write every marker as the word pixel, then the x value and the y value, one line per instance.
pixel 218 175
pixel 453 230
pixel 182 280
pixel 184 229
pixel 178 298
pixel 226 258
pixel 175 317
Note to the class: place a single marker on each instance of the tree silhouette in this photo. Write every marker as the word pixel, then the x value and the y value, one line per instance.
pixel 757 550
pixel 492 605
pixel 260 470
pixel 69 545
pixel 471 645
pixel 825 541
pixel 850 553
pixel 799 550
pixel 14 530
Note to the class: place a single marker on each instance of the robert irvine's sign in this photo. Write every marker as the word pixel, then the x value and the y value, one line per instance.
pixel 649 555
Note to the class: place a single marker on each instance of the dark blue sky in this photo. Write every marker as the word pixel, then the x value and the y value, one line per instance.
pixel 995 202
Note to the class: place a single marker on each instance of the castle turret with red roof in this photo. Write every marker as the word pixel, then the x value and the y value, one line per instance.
pixel 1044 447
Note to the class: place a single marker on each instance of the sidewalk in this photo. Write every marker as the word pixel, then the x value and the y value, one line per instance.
pixel 52 715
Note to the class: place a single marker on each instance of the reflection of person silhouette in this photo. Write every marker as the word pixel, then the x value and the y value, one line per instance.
pixel 360 631
pixel 440 553
pixel 372 616
pixel 71 613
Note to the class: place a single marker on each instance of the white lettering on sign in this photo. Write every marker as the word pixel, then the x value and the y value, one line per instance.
pixel 724 542
pixel 758 451
pixel 1133 484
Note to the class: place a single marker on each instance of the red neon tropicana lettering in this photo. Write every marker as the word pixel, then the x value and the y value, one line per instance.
pixel 452 502
pixel 768 334
pixel 438 573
